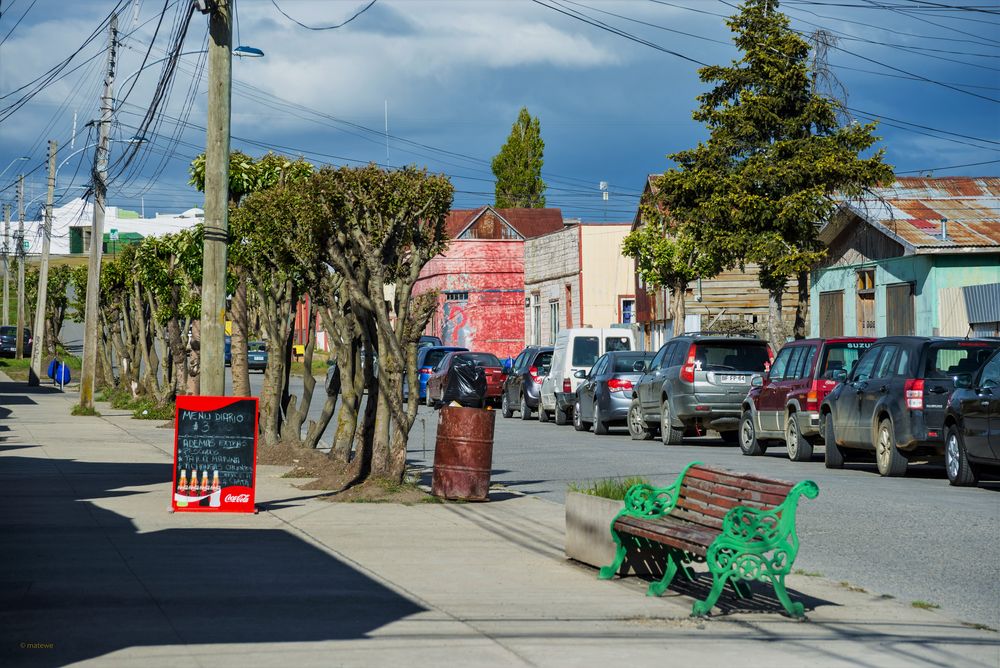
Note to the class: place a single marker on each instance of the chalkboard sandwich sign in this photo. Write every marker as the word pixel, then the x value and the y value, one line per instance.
pixel 215 454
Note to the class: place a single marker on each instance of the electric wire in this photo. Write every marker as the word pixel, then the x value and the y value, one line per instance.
pixel 330 27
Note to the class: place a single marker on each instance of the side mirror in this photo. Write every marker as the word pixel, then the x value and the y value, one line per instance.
pixel 963 381
pixel 581 374
pixel 507 366
pixel 757 381
pixel 639 366
pixel 839 375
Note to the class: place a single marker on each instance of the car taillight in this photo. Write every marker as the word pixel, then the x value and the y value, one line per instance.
pixel 619 385
pixel 426 369
pixel 535 376
pixel 913 388
pixel 687 371
pixel 567 385
pixel 812 397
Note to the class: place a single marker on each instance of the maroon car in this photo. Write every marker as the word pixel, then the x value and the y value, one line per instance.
pixel 488 362
pixel 783 405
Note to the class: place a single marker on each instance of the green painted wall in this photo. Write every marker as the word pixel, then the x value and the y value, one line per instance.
pixel 928 273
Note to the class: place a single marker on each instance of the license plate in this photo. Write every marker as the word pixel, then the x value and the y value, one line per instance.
pixel 726 378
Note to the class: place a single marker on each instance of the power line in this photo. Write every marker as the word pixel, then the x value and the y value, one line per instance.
pixel 332 27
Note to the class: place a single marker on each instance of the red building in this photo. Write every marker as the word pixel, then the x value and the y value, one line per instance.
pixel 480 277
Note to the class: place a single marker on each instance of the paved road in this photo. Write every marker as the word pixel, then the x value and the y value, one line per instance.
pixel 914 538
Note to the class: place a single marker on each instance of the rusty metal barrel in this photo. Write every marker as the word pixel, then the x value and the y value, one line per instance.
pixel 463 453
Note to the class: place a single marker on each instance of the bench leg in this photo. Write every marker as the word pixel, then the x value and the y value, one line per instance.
pixel 609 571
pixel 669 571
pixel 794 608
pixel 703 608
pixel 738 586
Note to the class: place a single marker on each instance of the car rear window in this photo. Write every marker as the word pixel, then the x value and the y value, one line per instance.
pixel 481 359
pixel 948 360
pixel 586 350
pixel 625 363
pixel 434 356
pixel 257 347
pixel 844 356
pixel 731 356
pixel 8 331
pixel 615 343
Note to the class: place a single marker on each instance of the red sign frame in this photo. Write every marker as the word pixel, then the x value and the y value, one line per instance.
pixel 233 499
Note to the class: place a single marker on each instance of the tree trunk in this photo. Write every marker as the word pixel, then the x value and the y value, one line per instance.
pixel 678 293
pixel 239 338
pixel 194 360
pixel 802 307
pixel 775 327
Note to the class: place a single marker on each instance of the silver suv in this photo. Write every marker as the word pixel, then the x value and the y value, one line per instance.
pixel 696 381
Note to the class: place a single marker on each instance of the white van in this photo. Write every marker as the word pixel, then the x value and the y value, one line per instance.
pixel 576 349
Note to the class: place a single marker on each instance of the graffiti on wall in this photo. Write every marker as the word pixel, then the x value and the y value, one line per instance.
pixel 457 329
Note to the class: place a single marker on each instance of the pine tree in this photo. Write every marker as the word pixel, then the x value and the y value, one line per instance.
pixel 518 166
pixel 775 159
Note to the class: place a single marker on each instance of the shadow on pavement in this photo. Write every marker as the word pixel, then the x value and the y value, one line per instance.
pixel 83 579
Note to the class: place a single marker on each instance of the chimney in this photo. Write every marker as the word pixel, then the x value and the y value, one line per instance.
pixel 944 229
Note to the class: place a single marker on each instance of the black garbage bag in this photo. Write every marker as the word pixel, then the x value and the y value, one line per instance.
pixel 466 385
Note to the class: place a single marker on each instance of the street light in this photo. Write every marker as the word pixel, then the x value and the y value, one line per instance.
pixel 23 157
pixel 241 51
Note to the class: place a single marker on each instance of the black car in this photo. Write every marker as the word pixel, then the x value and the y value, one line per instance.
pixel 524 381
pixel 605 395
pixel 972 424
pixel 8 341
pixel 893 401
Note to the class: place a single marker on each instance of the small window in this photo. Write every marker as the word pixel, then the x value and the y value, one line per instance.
pixel 807 365
pixel 678 355
pixel 616 343
pixel 661 355
pixel 585 350
pixel 795 362
pixel 780 364
pixel 457 296
pixel 628 310
pixel 553 320
pixel 884 368
pixel 863 369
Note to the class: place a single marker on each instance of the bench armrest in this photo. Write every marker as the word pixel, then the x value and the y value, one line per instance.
pixel 763 530
pixel 647 501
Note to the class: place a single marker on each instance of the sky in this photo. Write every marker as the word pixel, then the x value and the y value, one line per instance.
pixel 438 84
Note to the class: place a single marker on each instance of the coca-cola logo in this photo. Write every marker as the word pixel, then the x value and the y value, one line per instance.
pixel 237 498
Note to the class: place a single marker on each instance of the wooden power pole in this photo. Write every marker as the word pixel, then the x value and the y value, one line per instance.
pixel 89 366
pixel 213 285
pixel 6 264
pixel 35 374
pixel 19 251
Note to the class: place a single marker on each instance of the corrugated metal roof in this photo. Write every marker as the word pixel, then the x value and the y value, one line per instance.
pixel 982 303
pixel 913 208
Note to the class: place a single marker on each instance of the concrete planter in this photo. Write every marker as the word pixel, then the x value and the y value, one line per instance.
pixel 588 528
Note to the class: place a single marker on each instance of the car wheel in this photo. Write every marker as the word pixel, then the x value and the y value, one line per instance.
pixel 749 445
pixel 799 449
pixel 891 462
pixel 578 422
pixel 670 434
pixel 525 411
pixel 600 426
pixel 956 459
pixel 833 457
pixel 505 408
pixel 543 415
pixel 561 418
pixel 637 427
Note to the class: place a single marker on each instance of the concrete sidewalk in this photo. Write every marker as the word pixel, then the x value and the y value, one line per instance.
pixel 96 570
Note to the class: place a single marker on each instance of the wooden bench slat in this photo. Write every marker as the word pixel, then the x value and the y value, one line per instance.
pixel 757 484
pixel 743 497
pixel 742 475
pixel 688 538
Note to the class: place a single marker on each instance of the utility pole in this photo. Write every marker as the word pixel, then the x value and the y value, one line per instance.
pixel 6 264
pixel 19 350
pixel 89 366
pixel 213 285
pixel 43 275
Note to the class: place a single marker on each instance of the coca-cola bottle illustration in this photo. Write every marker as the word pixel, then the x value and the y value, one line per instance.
pixel 204 483
pixel 216 499
pixel 215 481
pixel 182 489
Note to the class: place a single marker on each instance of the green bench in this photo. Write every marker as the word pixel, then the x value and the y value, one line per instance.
pixel 741 525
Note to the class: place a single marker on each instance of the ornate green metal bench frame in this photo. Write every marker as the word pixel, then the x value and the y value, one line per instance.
pixel 753 544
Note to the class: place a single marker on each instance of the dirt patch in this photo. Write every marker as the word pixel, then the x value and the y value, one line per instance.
pixel 380 491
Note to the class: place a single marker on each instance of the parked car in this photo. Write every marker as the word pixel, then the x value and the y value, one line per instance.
pixel 8 341
pixel 427 358
pixel 426 340
pixel 256 356
pixel 438 380
pixel 228 354
pixel 972 424
pixel 524 381
pixel 893 402
pixel 696 381
pixel 783 404
pixel 605 395
pixel 576 349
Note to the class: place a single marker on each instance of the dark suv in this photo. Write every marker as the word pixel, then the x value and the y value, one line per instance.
pixel 783 405
pixel 893 402
pixel 8 340
pixel 524 381
pixel 695 382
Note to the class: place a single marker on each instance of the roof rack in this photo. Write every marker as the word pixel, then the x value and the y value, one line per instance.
pixel 748 334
